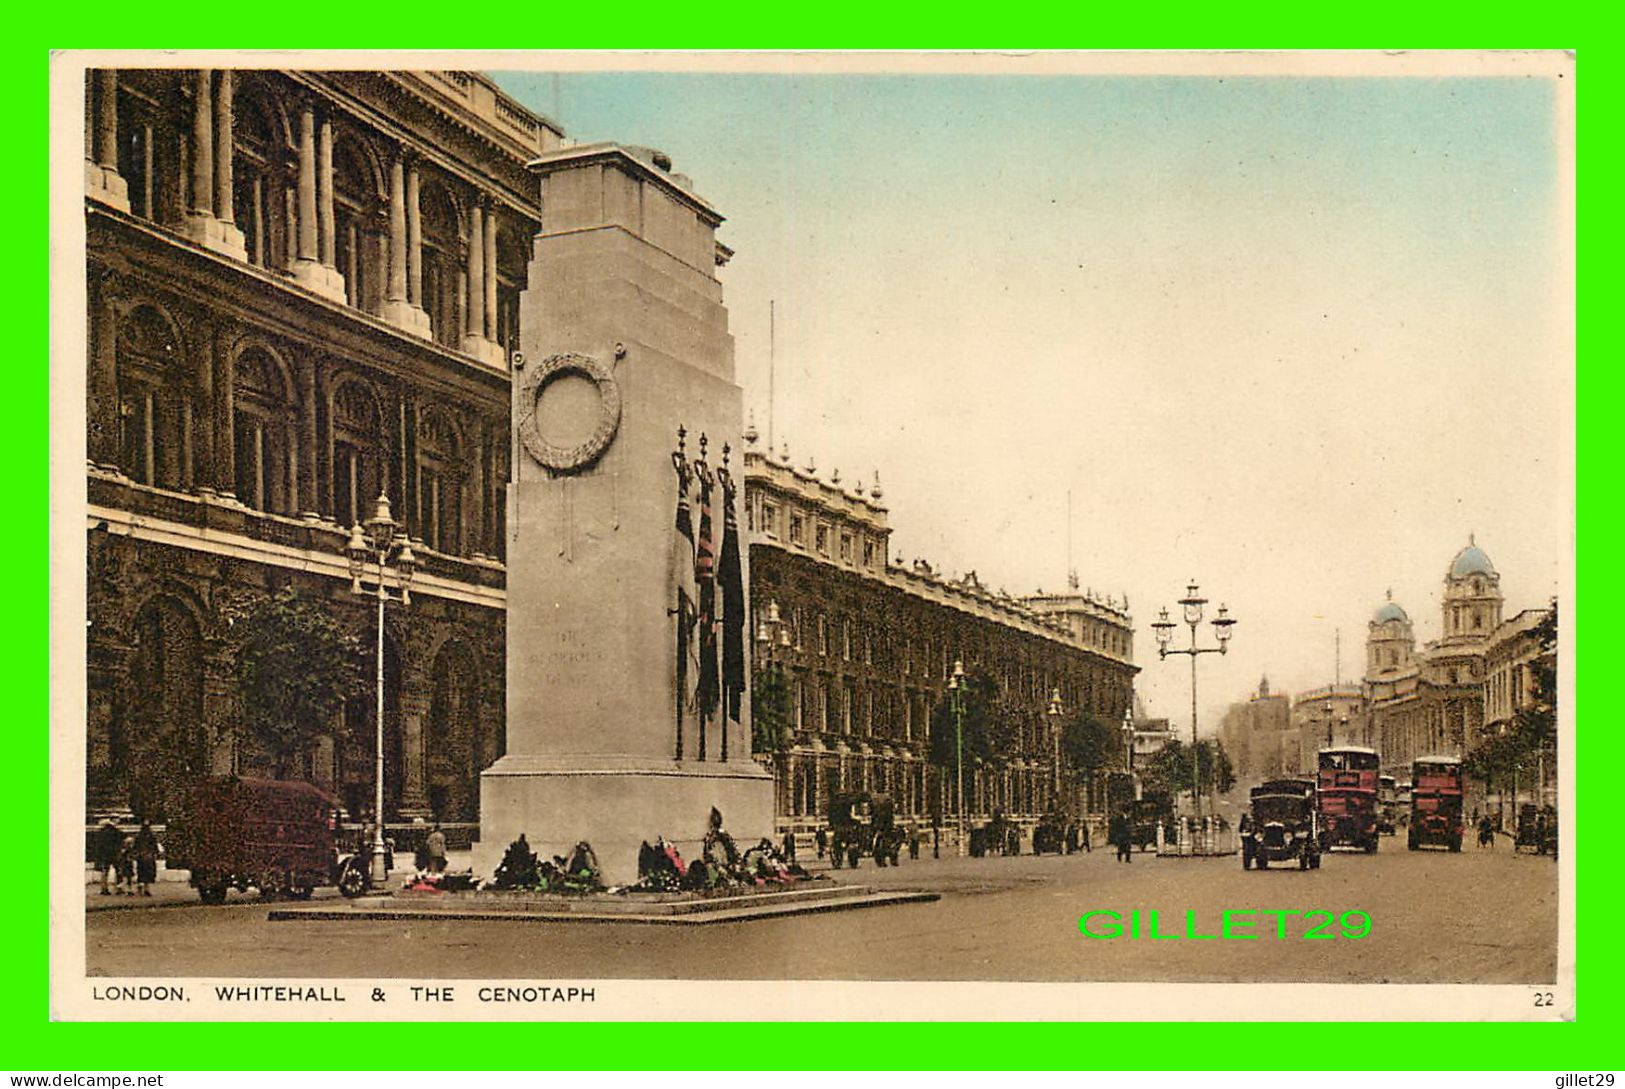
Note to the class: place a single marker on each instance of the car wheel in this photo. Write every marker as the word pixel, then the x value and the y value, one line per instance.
pixel 1303 859
pixel 1261 862
pixel 1246 861
pixel 352 882
pixel 212 894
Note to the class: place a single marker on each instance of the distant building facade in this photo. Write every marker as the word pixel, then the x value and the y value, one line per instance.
pixel 1259 736
pixel 1326 717
pixel 872 643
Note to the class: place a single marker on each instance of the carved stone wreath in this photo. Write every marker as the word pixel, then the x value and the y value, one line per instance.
pixel 533 386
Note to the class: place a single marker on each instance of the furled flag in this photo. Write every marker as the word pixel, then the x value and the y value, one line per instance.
pixel 682 571
pixel 706 693
pixel 731 576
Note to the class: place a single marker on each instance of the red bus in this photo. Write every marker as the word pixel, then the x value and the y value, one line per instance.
pixel 1435 803
pixel 1348 798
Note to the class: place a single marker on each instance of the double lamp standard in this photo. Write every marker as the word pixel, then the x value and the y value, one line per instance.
pixel 1192 603
pixel 371 542
pixel 956 694
pixel 773 637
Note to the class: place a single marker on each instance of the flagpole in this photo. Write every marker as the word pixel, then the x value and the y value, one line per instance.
pixel 771 367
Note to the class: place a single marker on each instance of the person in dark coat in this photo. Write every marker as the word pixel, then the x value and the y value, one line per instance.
pixel 145 850
pixel 1121 835
pixel 789 846
pixel 821 841
pixel 104 846
pixel 1083 834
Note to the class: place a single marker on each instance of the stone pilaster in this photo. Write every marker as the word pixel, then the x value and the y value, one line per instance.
pixel 414 236
pixel 414 714
pixel 308 465
pixel 398 309
pixel 225 408
pixel 327 240
pixel 102 373
pixel 489 245
pixel 103 182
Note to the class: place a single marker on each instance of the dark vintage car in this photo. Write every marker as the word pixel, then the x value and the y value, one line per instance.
pixel 863 825
pixel 1537 830
pixel 268 834
pixel 1050 835
pixel 1282 825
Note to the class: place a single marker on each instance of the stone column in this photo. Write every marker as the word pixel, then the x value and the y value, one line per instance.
pixel 202 146
pixel 474 307
pixel 223 149
pixel 102 179
pixel 398 309
pixel 414 237
pixel 314 232
pixel 307 184
pixel 205 471
pixel 210 182
pixel 102 424
pixel 327 241
pixel 490 260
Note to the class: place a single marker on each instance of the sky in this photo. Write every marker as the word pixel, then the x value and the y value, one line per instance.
pixel 1293 338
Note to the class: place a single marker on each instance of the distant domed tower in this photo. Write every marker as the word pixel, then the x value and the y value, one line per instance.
pixel 1390 643
pixel 1472 596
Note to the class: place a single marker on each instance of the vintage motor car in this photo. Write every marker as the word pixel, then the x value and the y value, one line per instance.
pixel 1282 825
pixel 863 825
pixel 268 834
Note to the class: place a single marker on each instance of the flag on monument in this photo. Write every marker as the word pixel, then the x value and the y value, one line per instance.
pixel 682 573
pixel 733 610
pixel 705 581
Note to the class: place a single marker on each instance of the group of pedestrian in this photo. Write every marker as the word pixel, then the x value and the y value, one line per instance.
pixel 128 864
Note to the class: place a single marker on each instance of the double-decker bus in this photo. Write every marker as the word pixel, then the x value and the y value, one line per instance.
pixel 1387 804
pixel 1435 803
pixel 1348 798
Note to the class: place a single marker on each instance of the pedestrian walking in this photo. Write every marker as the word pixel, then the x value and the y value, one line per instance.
pixel 936 841
pixel 1486 833
pixel 821 841
pixel 435 848
pixel 789 846
pixel 1084 831
pixel 145 850
pixel 914 845
pixel 125 863
pixel 1121 834
pixel 104 847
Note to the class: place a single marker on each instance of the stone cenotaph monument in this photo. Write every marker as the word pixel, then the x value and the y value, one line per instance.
pixel 625 341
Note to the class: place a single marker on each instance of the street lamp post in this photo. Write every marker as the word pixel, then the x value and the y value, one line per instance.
pixel 1192 603
pixel 956 686
pixel 1128 742
pixel 773 635
pixel 374 540
pixel 1055 738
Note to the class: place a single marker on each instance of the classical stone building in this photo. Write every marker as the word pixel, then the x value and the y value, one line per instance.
pixel 1331 715
pixel 868 644
pixel 304 292
pixel 1432 702
pixel 302 288
pixel 1513 654
pixel 1259 736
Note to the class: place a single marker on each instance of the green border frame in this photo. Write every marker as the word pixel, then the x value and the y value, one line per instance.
pixel 37 1044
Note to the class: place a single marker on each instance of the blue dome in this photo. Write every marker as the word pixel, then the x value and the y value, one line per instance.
pixel 1390 611
pixel 1471 561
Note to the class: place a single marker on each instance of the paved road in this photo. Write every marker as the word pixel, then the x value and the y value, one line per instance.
pixel 1477 917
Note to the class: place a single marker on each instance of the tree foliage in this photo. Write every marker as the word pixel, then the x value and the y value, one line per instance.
pixel 296 665
pixel 770 712
pixel 1088 744
pixel 979 702
pixel 1169 768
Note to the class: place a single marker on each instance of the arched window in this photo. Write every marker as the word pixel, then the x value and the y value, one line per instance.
pixel 358 216
pixel 263 186
pixel 440 475
pixel 264 422
pixel 442 270
pixel 358 452
pixel 155 401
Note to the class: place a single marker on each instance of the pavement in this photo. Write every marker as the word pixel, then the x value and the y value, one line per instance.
pixel 1474 917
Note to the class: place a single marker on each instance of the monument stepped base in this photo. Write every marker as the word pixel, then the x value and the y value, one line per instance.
pixel 658 909
pixel 616 807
